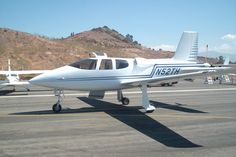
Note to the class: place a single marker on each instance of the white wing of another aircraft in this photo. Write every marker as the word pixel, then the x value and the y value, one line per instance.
pixel 23 72
pixel 102 73
pixel 13 78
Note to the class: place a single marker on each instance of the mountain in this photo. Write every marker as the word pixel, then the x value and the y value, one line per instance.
pixel 29 51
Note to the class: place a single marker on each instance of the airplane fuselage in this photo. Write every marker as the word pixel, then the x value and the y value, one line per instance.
pixel 98 77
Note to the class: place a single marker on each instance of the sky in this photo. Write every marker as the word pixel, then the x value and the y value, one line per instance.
pixel 153 23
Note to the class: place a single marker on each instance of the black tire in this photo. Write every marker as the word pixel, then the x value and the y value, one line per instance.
pixel 150 111
pixel 56 108
pixel 125 101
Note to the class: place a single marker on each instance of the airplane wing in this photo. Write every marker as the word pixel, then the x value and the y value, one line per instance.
pixel 25 72
pixel 4 72
pixel 161 79
pixel 18 83
pixel 215 70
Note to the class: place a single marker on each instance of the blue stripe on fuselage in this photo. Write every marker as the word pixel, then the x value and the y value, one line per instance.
pixel 157 70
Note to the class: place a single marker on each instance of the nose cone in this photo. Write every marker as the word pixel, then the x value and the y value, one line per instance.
pixel 53 78
pixel 41 80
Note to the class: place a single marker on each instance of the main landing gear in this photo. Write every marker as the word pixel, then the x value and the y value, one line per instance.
pixel 125 101
pixel 57 106
pixel 145 101
pixel 121 98
pixel 146 104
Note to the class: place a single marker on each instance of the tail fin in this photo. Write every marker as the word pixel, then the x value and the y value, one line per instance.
pixel 226 62
pixel 187 49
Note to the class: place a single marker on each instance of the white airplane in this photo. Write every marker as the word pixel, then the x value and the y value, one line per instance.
pixel 226 62
pixel 13 78
pixel 101 73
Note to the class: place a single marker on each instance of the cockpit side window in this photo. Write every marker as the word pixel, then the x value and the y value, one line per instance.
pixel 121 64
pixel 106 64
pixel 87 64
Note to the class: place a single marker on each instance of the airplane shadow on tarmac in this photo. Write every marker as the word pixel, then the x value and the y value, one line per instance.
pixel 5 92
pixel 144 124
pixel 133 117
pixel 177 107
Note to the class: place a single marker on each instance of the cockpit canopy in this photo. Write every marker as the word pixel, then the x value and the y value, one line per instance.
pixel 87 64
pixel 104 64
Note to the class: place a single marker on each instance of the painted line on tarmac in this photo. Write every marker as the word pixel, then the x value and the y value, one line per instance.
pixel 114 93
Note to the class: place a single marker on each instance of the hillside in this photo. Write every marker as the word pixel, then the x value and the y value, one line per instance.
pixel 28 51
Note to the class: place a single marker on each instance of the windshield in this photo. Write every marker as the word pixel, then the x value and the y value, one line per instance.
pixel 88 64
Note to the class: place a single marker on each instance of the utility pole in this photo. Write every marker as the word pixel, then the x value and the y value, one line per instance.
pixel 206 53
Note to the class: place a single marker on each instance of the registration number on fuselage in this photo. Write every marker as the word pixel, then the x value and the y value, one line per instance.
pixel 167 71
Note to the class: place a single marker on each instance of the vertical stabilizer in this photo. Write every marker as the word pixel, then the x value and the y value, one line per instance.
pixel 226 62
pixel 187 49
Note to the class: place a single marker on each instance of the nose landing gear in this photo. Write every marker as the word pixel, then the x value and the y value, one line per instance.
pixel 57 106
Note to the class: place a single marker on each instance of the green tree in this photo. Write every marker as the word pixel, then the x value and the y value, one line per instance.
pixel 221 60
pixel 129 37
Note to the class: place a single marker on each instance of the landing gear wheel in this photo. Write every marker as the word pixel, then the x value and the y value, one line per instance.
pixel 56 108
pixel 125 101
pixel 151 108
pixel 150 111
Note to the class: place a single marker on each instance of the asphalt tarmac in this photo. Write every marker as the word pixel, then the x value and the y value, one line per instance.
pixel 192 119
